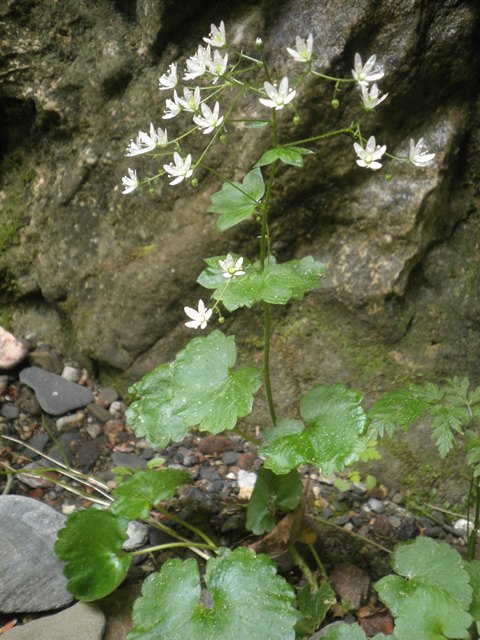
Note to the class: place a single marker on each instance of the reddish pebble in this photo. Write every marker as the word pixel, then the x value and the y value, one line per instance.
pixel 36 493
pixel 246 460
pixel 381 622
pixel 214 445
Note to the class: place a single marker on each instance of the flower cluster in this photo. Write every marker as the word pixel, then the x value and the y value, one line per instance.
pixel 208 60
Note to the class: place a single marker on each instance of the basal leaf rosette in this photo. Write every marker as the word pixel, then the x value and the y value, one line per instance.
pixel 332 438
pixel 246 600
pixel 90 544
pixel 199 388
pixel 431 596
pixel 276 284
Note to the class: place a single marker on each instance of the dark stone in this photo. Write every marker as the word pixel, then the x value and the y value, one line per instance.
pixel 230 457
pixel 209 473
pixel 130 460
pixel 10 411
pixel 98 412
pixel 55 394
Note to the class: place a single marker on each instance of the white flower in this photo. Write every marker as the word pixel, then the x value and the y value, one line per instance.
pixel 145 142
pixel 181 170
pixel 210 118
pixel 231 267
pixel 217 35
pixel 278 97
pixel 190 101
pixel 218 64
pixel 130 182
pixel 371 96
pixel 365 73
pixel 168 80
pixel 418 155
pixel 368 157
pixel 303 49
pixel 197 64
pixel 173 107
pixel 199 318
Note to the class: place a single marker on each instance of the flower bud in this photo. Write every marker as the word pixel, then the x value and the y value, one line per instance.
pixel 221 320
pixel 194 182
pixel 296 120
pixel 259 44
pixel 335 103
pixel 388 177
pixel 223 138
pixel 152 191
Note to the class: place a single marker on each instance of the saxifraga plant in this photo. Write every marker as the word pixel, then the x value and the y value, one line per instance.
pixel 203 389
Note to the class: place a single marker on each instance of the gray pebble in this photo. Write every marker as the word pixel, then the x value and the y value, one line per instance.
pixel 230 457
pixel 130 460
pixel 98 412
pixel 376 505
pixel 55 395
pixel 10 411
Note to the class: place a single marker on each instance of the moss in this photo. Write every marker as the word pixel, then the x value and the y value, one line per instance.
pixel 6 319
pixel 111 377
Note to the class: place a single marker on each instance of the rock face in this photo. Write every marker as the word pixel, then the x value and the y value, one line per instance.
pixel 109 274
pixel 32 578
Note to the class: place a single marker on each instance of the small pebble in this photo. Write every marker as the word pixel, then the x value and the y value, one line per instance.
pixel 66 423
pixel 94 430
pixel 10 411
pixel 71 374
pixel 98 412
pixel 376 505
pixel 230 457
pixel 246 481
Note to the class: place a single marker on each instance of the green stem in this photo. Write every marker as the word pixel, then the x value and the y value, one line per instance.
pixel 187 525
pixel 353 534
pixel 171 545
pixel 322 136
pixel 322 75
pixel 304 568
pixel 316 557
pixel 472 538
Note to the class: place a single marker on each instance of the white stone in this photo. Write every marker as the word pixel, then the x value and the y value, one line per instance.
pixel 71 374
pixel 137 534
pixel 246 481
pixel 12 351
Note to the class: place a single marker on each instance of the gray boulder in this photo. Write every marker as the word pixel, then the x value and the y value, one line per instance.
pixel 31 575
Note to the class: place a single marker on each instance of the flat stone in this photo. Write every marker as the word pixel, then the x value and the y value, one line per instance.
pixel 99 413
pixel 46 359
pixel 351 584
pixel 10 411
pixel 55 394
pixel 83 621
pixel 12 351
pixel 32 575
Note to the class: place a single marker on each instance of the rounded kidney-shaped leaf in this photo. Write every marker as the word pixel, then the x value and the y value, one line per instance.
pixel 90 545
pixel 333 437
pixel 247 601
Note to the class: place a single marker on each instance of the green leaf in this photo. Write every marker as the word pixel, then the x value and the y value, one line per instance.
pixel 90 545
pixel 431 615
pixel 473 570
pixel 288 155
pixel 236 202
pixel 333 437
pixel 135 497
pixel 257 124
pixel 400 408
pixel 247 601
pixel 277 284
pixel 353 632
pixel 314 606
pixel 198 388
pixel 472 447
pixel 433 597
pixel 272 493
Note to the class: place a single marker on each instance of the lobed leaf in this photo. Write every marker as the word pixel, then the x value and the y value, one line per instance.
pixel 236 202
pixel 333 437
pixel 431 601
pixel 198 389
pixel 288 155
pixel 272 493
pixel 247 600
pixel 314 606
pixel 400 408
pixel 276 284
pixel 354 632
pixel 136 496
pixel 473 570
pixel 90 545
